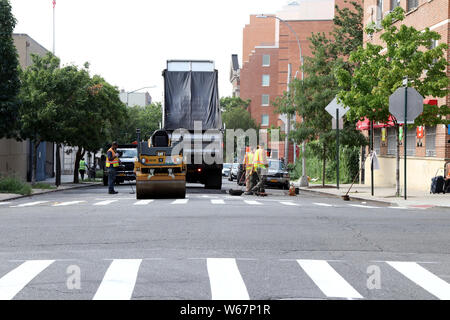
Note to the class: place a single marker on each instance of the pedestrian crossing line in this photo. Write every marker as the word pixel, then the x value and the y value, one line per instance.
pixel 331 283
pixel 286 203
pixel 4 203
pixel 323 204
pixel 63 204
pixel 143 202
pixel 225 280
pixel 217 201
pixel 29 204
pixel 363 206
pixel 423 278
pixel 180 201
pixel 105 203
pixel 119 280
pixel 17 279
pixel 253 202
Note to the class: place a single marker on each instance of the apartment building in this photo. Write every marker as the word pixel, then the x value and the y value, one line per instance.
pixel 428 148
pixel 15 156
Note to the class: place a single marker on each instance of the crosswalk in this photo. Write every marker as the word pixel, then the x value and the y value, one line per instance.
pixel 228 279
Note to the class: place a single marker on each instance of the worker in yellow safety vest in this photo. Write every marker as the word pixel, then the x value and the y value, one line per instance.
pixel 82 168
pixel 260 167
pixel 248 167
pixel 112 164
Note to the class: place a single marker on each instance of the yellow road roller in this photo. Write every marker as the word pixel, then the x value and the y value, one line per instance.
pixel 160 170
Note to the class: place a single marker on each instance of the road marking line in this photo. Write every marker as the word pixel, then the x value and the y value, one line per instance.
pixel 331 283
pixel 424 278
pixel 143 202
pixel 105 203
pixel 289 203
pixel 253 202
pixel 323 204
pixel 362 206
pixel 217 201
pixel 4 203
pixel 401 208
pixel 225 280
pixel 119 280
pixel 180 201
pixel 29 204
pixel 63 204
pixel 17 279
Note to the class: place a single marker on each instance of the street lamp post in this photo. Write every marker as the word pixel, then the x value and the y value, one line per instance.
pixel 304 178
pixel 138 90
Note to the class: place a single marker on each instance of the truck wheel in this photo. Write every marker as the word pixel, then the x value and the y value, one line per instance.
pixel 214 180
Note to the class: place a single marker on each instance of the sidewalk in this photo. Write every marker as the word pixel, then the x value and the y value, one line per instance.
pixel 416 199
pixel 66 184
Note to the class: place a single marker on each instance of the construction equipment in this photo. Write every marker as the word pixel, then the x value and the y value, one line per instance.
pixel 160 170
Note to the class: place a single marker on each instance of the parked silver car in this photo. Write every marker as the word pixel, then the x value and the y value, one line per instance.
pixel 226 169
pixel 233 172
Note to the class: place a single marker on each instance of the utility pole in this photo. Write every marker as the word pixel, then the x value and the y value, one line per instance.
pixel 288 120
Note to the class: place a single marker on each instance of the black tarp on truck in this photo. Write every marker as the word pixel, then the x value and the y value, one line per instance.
pixel 191 100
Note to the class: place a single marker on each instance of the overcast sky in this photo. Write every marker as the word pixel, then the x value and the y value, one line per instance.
pixel 128 42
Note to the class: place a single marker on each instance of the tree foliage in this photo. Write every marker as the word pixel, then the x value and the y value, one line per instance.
pixel 9 74
pixel 380 72
pixel 235 114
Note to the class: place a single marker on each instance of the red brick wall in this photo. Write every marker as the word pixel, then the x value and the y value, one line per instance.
pixel 260 32
pixel 251 84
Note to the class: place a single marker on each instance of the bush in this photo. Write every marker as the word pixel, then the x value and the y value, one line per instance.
pixel 40 185
pixel 14 185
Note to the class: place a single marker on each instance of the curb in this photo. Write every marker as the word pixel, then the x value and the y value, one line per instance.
pixel 364 199
pixel 351 197
pixel 50 191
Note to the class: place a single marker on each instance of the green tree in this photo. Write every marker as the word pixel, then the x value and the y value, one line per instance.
pixel 310 97
pixel 235 114
pixel 9 74
pixel 379 73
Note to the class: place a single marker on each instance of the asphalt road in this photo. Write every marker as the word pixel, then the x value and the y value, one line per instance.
pixel 86 244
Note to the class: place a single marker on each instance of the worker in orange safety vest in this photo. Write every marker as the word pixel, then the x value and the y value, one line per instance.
pixel 260 167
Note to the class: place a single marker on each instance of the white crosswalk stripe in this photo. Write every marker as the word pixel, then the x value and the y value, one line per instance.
pixel 363 206
pixel 119 280
pixel 4 203
pixel 217 201
pixel 253 202
pixel 18 278
pixel 286 203
pixel 29 204
pixel 323 204
pixel 225 280
pixel 63 204
pixel 424 278
pixel 328 280
pixel 143 202
pixel 105 203
pixel 181 201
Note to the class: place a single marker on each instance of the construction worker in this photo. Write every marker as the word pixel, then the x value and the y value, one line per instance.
pixel 82 168
pixel 112 164
pixel 248 167
pixel 260 167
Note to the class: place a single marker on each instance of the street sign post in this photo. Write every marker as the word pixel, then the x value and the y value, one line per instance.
pixel 406 104
pixel 337 111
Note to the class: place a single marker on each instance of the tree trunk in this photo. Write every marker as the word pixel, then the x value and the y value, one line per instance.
pixel 324 163
pixel 397 162
pixel 34 165
pixel 58 165
pixel 79 155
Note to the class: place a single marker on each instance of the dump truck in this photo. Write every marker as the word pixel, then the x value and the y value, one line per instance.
pixel 192 116
pixel 159 168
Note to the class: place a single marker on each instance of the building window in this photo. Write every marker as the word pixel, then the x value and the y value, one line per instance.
pixel 265 120
pixel 265 80
pixel 265 100
pixel 391 141
pixel 412 4
pixel 411 142
pixel 430 141
pixel 266 60
pixel 379 11
pixel 395 4
pixel 376 140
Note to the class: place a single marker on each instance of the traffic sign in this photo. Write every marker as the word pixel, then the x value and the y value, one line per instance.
pixel 414 106
pixel 333 106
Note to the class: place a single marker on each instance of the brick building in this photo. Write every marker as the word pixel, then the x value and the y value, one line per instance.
pixel 429 154
pixel 269 46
